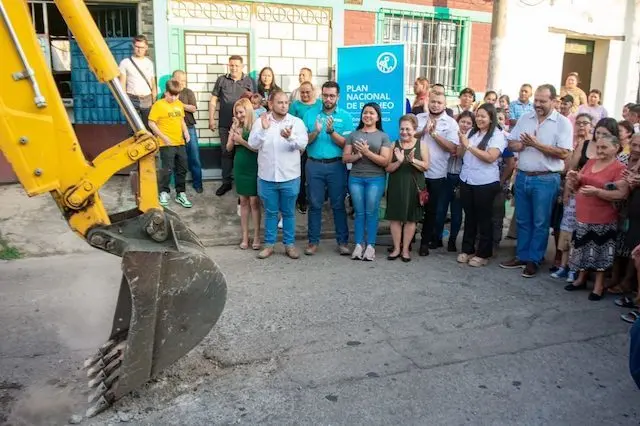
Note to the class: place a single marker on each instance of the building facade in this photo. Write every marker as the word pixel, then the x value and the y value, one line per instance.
pixel 90 106
pixel 448 42
pixel 546 40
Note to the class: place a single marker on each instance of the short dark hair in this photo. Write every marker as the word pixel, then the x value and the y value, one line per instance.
pixel 331 85
pixel 567 98
pixel 274 93
pixel 468 90
pixel 528 85
pixel 173 86
pixel 635 109
pixel 550 87
pixel 627 125
pixel 610 124
pixel 141 37
pixel 235 58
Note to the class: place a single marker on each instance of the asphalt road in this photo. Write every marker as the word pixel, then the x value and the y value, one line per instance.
pixel 326 341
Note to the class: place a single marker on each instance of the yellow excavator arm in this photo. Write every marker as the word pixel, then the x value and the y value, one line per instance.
pixel 171 292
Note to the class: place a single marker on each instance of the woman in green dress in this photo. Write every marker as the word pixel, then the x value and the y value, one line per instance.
pixel 406 180
pixel 245 171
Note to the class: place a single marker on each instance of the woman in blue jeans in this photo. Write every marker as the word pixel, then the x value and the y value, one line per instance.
pixel 368 148
pixel 466 119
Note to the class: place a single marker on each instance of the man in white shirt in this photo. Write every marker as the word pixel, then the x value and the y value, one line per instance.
pixel 440 133
pixel 279 137
pixel 137 77
pixel 304 76
pixel 543 138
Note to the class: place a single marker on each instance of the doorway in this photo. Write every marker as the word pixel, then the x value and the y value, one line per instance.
pixel 578 57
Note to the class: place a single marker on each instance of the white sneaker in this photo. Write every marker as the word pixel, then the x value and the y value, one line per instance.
pixel 280 223
pixel 357 252
pixel 369 253
pixel 164 199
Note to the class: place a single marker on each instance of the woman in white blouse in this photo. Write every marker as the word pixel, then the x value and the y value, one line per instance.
pixel 480 183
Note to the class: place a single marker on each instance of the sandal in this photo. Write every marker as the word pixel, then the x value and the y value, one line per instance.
pixel 478 261
pixel 630 317
pixel 256 245
pixel 616 289
pixel 625 302
pixel 244 246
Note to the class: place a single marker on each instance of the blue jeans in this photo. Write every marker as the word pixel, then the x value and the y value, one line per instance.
pixel 366 193
pixel 193 158
pixel 450 199
pixel 331 178
pixel 435 211
pixel 535 197
pixel 279 197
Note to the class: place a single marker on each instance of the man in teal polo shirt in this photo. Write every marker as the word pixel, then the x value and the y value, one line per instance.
pixel 325 170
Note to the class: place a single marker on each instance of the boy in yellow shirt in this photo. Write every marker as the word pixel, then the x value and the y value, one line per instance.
pixel 166 121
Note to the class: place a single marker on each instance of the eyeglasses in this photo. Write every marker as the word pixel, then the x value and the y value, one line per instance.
pixel 324 95
pixel 582 123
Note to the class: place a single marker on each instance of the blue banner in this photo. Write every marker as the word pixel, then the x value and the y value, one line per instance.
pixel 373 73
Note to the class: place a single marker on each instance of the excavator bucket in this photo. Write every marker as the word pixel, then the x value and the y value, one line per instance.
pixel 171 295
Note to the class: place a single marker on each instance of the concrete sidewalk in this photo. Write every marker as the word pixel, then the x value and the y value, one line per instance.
pixel 36 227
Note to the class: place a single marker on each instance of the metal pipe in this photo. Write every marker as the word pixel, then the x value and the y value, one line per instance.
pixel 39 100
pixel 126 106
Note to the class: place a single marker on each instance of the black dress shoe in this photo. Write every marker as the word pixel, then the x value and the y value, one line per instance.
pixel 406 259
pixel 451 246
pixel 393 257
pixel 435 244
pixel 595 297
pixel 199 190
pixel 224 188
pixel 424 250
pixel 571 287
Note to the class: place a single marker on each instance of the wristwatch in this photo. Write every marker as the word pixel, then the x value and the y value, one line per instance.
pixel 329 132
pixel 434 134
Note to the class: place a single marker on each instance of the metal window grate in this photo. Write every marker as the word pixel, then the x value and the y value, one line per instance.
pixel 434 45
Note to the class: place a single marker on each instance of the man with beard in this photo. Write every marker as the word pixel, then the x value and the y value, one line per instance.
pixel 278 137
pixel 325 171
pixel 544 139
pixel 440 132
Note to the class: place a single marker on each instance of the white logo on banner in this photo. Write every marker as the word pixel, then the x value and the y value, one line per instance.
pixel 386 62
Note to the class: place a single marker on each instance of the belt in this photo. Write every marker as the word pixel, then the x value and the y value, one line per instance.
pixel 546 172
pixel 325 160
pixel 138 97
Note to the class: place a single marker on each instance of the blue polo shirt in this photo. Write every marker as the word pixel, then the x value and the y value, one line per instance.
pixel 299 108
pixel 324 148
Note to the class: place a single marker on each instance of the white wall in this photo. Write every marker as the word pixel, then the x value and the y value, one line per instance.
pixel 535 55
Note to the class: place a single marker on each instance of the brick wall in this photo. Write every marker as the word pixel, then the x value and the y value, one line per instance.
pixel 479 56
pixel 145 22
pixel 359 27
pixel 477 5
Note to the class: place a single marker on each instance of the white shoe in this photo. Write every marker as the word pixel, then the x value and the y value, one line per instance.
pixel 369 253
pixel 164 199
pixel 357 252
pixel 239 210
pixel 280 223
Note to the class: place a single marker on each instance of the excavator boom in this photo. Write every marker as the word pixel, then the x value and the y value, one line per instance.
pixel 171 293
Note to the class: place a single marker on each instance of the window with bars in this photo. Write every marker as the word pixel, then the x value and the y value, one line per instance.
pixel 433 47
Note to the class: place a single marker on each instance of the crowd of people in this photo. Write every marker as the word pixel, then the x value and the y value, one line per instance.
pixel 558 156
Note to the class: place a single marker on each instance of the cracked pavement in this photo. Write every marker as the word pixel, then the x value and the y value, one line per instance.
pixel 325 340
